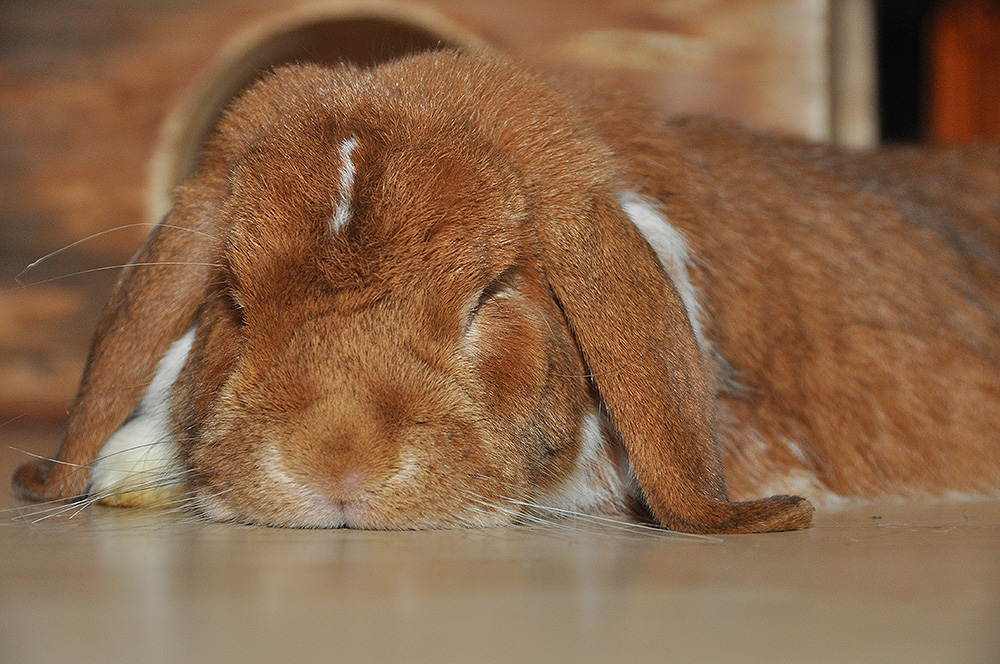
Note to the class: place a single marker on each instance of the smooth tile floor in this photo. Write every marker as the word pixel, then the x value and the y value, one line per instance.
pixel 875 583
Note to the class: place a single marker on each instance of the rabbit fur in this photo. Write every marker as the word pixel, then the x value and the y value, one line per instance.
pixel 446 292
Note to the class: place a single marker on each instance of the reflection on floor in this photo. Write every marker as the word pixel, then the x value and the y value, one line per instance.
pixel 875 583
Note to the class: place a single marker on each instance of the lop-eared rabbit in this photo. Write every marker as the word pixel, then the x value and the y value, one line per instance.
pixel 442 293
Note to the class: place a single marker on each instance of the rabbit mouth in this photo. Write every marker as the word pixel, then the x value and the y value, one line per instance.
pixel 280 499
pixel 357 513
pixel 312 511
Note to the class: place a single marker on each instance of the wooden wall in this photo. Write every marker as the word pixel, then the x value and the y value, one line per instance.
pixel 86 86
pixel 964 45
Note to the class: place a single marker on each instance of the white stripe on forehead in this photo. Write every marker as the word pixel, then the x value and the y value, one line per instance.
pixel 342 210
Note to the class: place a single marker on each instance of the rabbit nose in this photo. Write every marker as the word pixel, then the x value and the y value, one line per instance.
pixel 346 469
pixel 350 483
pixel 348 486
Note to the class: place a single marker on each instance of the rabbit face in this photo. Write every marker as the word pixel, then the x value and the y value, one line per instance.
pixel 386 365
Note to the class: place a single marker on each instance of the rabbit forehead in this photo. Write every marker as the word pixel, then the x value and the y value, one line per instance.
pixel 442 97
pixel 376 211
pixel 433 171
pixel 437 193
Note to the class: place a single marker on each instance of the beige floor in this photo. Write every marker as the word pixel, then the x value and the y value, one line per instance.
pixel 886 583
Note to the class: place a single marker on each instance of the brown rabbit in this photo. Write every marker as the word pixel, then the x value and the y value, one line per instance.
pixel 440 293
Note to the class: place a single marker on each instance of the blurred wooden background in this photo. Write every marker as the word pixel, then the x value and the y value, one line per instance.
pixel 86 86
pixel 965 70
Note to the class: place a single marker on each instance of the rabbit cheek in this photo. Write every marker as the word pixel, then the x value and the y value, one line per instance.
pixel 507 345
pixel 224 486
pixel 236 469
pixel 531 376
pixel 212 361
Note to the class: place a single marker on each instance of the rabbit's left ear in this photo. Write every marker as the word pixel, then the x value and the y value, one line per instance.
pixel 154 302
pixel 641 351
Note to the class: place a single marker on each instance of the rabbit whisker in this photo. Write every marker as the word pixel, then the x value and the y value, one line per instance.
pixel 615 523
pixel 93 236
pixel 618 524
pixel 120 266
pixel 46 458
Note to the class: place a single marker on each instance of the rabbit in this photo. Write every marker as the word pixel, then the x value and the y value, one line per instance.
pixel 448 292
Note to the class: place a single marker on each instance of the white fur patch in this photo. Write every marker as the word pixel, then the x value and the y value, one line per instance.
pixel 753 456
pixel 275 471
pixel 599 483
pixel 306 506
pixel 672 250
pixel 342 210
pixel 409 469
pixel 139 463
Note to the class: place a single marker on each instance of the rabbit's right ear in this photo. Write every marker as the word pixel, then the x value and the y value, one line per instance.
pixel 155 300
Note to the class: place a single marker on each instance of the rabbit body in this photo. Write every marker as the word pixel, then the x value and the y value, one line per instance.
pixel 852 309
pixel 440 293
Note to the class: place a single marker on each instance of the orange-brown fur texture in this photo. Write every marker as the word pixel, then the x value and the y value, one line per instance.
pixel 854 301
pixel 418 300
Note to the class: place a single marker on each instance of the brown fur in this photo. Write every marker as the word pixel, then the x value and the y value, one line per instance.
pixel 855 301
pixel 430 364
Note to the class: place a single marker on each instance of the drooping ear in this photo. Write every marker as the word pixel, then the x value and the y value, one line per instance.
pixel 640 348
pixel 153 303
